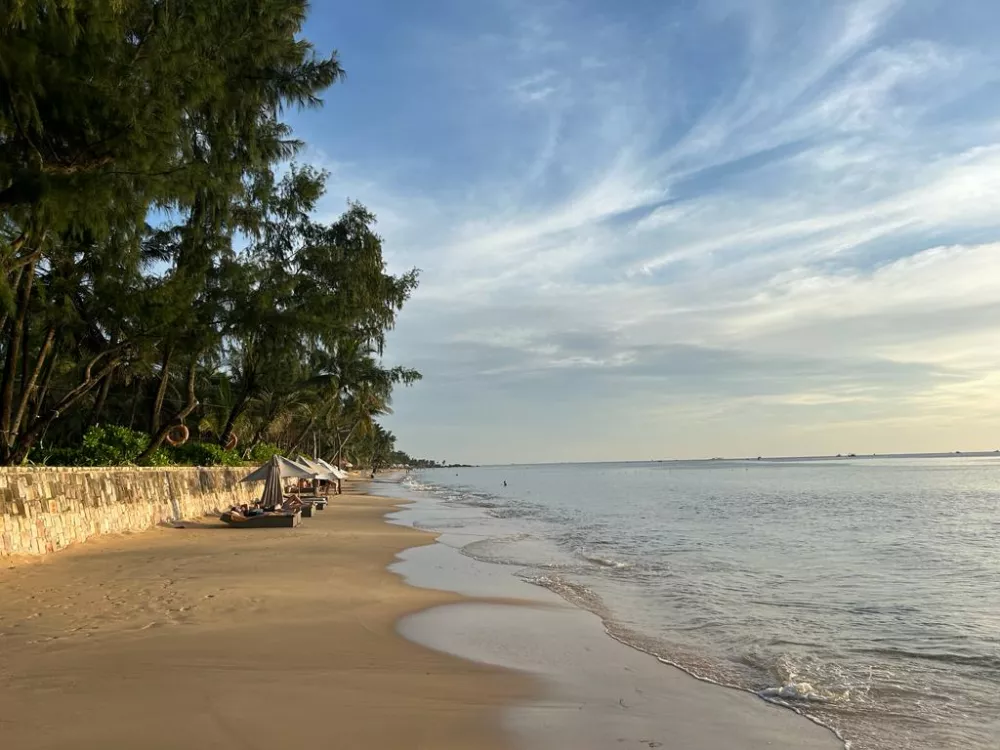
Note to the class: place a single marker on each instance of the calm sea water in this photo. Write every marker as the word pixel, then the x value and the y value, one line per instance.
pixel 864 593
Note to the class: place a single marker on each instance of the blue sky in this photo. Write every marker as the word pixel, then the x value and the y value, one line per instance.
pixel 676 229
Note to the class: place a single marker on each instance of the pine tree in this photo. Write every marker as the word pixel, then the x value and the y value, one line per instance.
pixel 108 110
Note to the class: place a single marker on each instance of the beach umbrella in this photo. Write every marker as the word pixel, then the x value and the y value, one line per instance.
pixel 285 468
pixel 272 473
pixel 332 469
pixel 322 472
pixel 274 493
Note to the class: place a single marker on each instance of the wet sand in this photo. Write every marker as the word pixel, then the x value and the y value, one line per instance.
pixel 211 637
pixel 597 693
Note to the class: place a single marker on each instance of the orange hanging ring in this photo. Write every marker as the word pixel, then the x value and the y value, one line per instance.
pixel 232 442
pixel 178 435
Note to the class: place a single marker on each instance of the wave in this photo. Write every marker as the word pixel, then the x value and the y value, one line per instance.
pixel 795 691
pixel 794 696
pixel 606 562
pixel 574 593
pixel 503 550
pixel 991 663
pixel 537 570
pixel 452 494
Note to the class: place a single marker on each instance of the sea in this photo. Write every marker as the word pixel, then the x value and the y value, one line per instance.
pixel 863 593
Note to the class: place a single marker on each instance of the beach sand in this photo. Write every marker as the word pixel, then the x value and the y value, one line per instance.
pixel 211 637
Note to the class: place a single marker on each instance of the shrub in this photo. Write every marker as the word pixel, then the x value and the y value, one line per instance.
pixel 160 457
pixel 262 453
pixel 204 454
pixel 102 445
pixel 112 445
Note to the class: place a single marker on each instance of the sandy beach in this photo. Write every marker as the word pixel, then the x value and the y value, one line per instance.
pixel 207 637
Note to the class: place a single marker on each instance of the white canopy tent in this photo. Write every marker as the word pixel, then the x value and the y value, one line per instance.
pixel 271 473
pixel 332 469
pixel 285 468
pixel 322 472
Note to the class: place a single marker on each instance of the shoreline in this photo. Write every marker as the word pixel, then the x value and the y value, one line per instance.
pixel 209 636
pixel 662 701
pixel 337 630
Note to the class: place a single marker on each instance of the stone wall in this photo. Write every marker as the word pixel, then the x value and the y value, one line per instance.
pixel 45 509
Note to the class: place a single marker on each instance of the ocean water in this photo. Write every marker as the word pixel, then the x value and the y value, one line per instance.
pixel 862 593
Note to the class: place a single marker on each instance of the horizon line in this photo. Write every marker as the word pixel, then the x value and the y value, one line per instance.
pixel 824 457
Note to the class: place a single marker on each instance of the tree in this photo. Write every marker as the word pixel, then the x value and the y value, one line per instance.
pixel 310 291
pixel 153 267
pixel 377 448
pixel 102 121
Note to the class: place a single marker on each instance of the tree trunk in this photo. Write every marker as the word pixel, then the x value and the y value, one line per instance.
pixel 29 436
pixel 16 283
pixel 13 354
pixel 30 379
pixel 339 456
pixel 302 434
pixel 161 390
pixel 258 438
pixel 238 408
pixel 178 419
pixel 135 403
pixel 18 241
pixel 343 443
pixel 43 390
pixel 102 398
pixel 25 361
pixel 17 263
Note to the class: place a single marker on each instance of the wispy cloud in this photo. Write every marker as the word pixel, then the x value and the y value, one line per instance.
pixel 679 216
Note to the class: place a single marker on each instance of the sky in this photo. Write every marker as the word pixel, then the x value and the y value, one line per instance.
pixel 673 229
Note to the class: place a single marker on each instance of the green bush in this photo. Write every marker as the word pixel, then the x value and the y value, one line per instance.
pixel 161 457
pixel 102 445
pixel 112 445
pixel 204 454
pixel 262 453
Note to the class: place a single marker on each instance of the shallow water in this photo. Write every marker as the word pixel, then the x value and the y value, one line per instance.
pixel 864 593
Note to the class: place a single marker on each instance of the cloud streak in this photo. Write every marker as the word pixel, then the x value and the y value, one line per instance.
pixel 718 226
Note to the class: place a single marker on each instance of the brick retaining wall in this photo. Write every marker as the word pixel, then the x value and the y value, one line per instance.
pixel 45 509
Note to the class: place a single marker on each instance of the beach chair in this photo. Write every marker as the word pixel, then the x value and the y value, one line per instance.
pixel 263 520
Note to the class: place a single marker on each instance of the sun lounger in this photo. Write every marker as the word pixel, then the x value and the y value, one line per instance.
pixel 317 501
pixel 262 520
pixel 308 504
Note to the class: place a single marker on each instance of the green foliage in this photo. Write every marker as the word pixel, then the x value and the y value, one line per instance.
pixel 111 445
pixel 102 445
pixel 262 453
pixel 159 457
pixel 204 454
pixel 238 312
pixel 402 458
pixel 110 107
